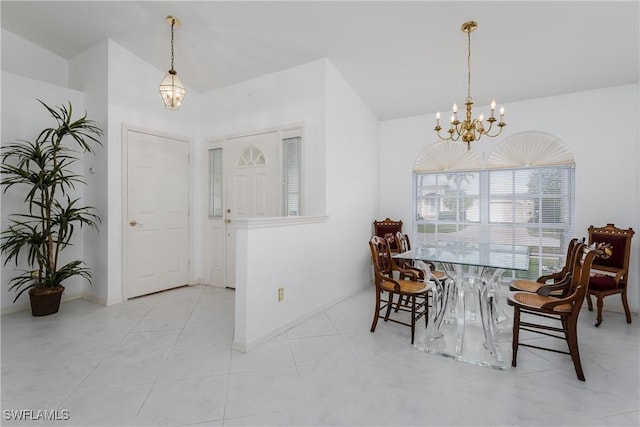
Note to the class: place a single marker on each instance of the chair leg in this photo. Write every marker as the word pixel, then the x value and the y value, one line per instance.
pixel 599 302
pixel 572 340
pixel 426 308
pixel 376 313
pixel 516 335
pixel 389 306
pixel 625 304
pixel 589 303
pixel 413 317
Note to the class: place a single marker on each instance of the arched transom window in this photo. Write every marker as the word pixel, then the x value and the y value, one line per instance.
pixel 251 156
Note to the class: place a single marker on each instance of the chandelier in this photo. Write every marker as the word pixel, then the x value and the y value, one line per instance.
pixel 470 129
pixel 172 90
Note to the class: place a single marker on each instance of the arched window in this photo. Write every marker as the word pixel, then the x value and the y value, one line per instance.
pixel 251 156
pixel 524 194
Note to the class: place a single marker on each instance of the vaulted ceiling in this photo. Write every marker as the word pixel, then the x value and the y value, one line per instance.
pixel 403 57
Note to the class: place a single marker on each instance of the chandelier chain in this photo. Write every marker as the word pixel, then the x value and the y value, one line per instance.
pixel 468 65
pixel 173 23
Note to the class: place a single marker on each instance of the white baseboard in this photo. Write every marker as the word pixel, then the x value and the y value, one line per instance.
pixel 96 300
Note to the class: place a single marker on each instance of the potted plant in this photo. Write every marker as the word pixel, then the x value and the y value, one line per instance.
pixel 38 236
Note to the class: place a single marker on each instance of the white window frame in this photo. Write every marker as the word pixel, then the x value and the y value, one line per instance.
pixel 546 255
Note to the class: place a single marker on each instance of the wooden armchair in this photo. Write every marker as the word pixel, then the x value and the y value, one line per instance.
pixel 388 228
pixel 412 294
pixel 610 270
pixel 565 309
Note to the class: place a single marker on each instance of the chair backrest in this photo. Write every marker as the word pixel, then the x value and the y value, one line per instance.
pixel 580 273
pixel 402 242
pixel 615 244
pixel 387 228
pixel 381 257
pixel 573 248
pixel 568 277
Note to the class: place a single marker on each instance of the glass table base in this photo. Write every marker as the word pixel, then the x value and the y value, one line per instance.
pixel 467 342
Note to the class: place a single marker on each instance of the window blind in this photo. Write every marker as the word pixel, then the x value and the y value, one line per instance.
pixel 524 206
pixel 292 174
pixel 215 182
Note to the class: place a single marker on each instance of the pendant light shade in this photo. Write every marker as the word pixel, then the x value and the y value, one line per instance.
pixel 172 89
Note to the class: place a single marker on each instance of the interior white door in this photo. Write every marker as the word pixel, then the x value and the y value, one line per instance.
pixel 251 176
pixel 157 220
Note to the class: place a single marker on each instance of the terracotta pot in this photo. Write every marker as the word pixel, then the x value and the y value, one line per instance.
pixel 45 301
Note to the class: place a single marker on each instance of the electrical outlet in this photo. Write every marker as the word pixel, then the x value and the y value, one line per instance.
pixel 280 294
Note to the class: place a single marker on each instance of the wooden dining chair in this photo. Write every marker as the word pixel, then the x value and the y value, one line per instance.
pixel 610 270
pixel 564 309
pixel 413 295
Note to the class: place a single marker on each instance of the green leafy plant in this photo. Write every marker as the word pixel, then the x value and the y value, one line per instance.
pixel 43 168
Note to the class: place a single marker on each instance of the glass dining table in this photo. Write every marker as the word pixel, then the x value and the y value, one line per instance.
pixel 468 321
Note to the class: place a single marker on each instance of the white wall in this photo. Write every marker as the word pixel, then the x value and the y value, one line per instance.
pixel 24 58
pixel 600 127
pixel 23 117
pixel 353 138
pixel 320 262
pixel 88 73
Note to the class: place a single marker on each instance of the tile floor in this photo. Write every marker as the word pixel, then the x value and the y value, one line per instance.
pixel 166 360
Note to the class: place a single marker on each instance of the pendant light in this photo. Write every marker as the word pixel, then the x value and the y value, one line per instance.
pixel 172 90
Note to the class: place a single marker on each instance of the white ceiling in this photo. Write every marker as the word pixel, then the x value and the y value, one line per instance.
pixel 403 57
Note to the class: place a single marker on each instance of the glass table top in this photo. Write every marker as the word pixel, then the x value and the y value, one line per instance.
pixel 495 255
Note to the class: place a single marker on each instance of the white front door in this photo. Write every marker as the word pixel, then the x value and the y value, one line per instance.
pixel 157 214
pixel 251 176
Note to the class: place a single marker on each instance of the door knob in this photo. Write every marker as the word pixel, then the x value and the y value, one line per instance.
pixel 228 221
pixel 133 223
